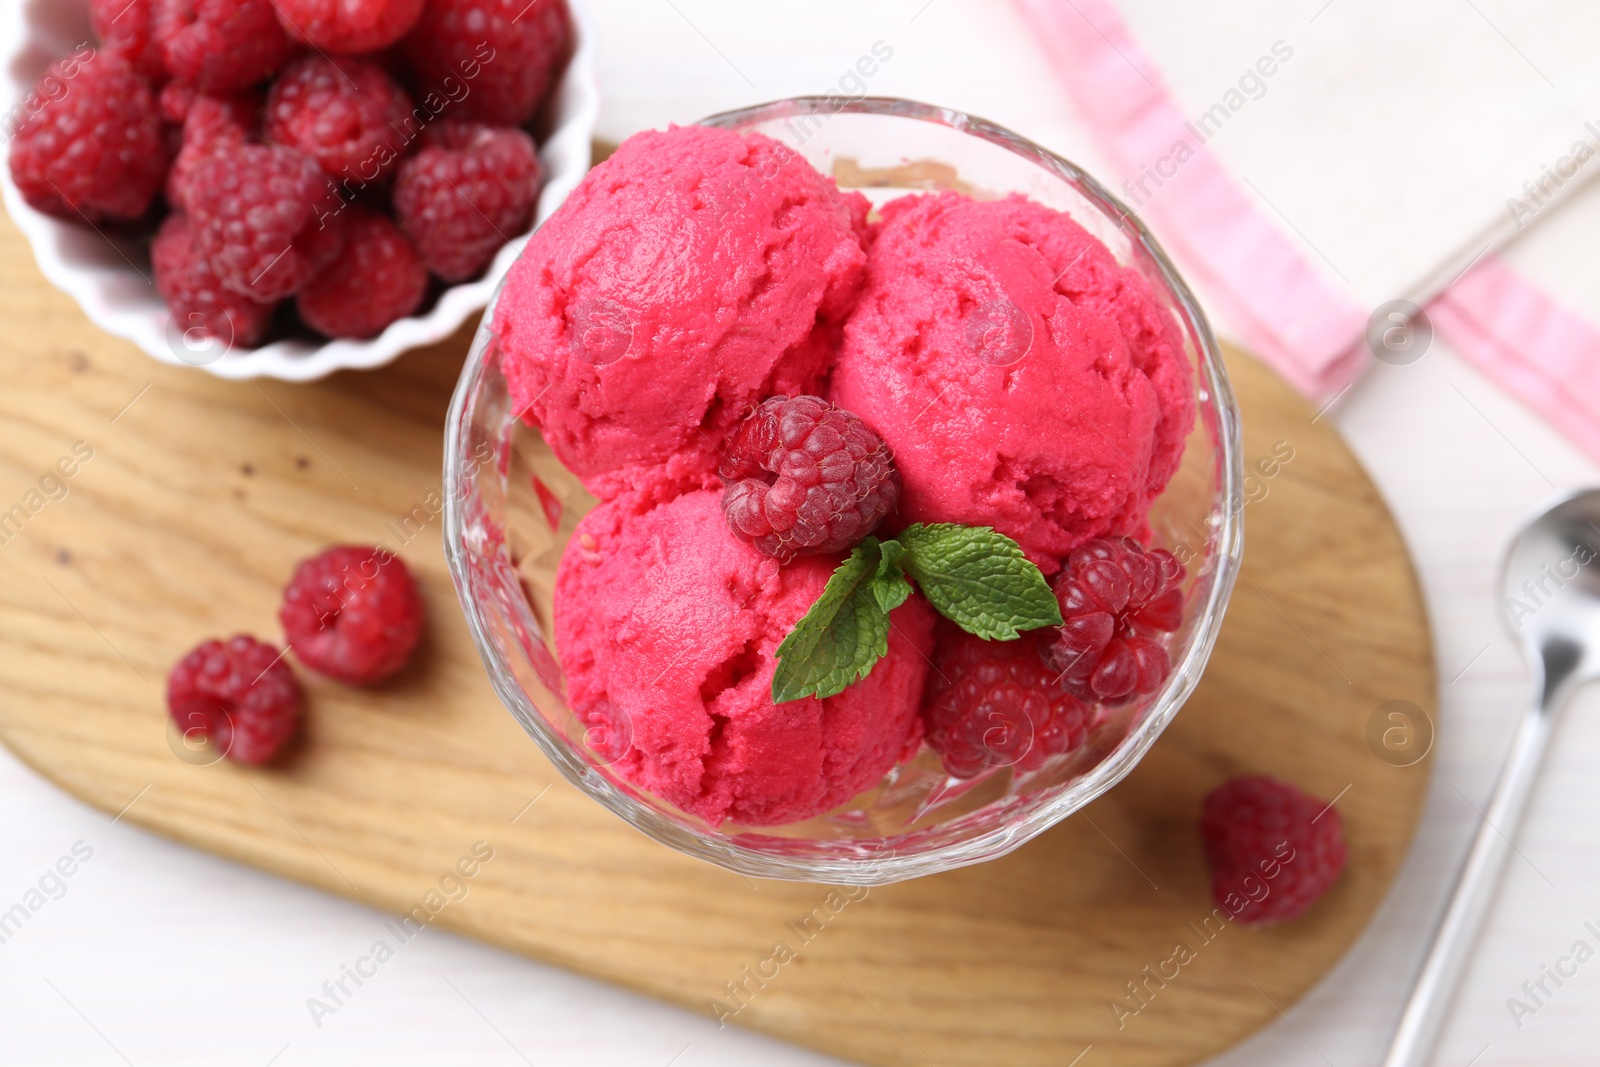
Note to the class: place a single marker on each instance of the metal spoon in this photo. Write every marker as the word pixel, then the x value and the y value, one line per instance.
pixel 1552 590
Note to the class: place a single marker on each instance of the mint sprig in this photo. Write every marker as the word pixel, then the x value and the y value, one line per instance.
pixel 846 631
pixel 974 576
pixel 889 585
pixel 979 579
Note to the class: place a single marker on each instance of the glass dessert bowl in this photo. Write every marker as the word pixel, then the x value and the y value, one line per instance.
pixel 511 508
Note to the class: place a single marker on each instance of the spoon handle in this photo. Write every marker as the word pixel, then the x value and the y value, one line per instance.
pixel 1470 898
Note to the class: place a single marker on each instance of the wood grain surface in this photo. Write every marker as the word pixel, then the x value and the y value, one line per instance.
pixel 198 496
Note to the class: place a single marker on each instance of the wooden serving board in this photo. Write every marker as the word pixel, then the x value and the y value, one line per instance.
pixel 201 495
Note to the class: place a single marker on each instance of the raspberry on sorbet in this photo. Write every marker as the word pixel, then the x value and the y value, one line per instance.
pixel 996 704
pixel 1117 599
pixel 805 477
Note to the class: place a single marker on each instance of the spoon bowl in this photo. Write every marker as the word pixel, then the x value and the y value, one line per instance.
pixel 1552 594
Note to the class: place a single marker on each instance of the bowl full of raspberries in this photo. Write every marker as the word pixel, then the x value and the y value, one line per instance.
pixel 286 188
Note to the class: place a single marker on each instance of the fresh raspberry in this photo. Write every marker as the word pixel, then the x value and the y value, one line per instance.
pixel 210 123
pixel 347 113
pixel 352 614
pixel 377 279
pixel 197 300
pixel 465 193
pixel 507 53
pixel 1117 598
pixel 348 27
pixel 126 30
pixel 94 148
pixel 220 46
pixel 1273 849
pixel 806 478
pixel 240 695
pixel 995 704
pixel 266 217
pixel 175 100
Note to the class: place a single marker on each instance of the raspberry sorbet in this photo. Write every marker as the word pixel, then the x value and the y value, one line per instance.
pixel 706 303
pixel 667 625
pixel 1022 377
pixel 692 275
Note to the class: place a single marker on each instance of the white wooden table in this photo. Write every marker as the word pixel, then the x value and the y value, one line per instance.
pixel 158 955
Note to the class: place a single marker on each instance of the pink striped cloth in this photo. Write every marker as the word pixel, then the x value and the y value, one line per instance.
pixel 1519 336
pixel 1239 256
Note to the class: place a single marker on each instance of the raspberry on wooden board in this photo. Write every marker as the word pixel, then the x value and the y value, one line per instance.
pixel 353 614
pixel 239 694
pixel 1273 849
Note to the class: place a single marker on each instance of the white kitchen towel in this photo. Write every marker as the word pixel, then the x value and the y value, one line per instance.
pixel 1311 161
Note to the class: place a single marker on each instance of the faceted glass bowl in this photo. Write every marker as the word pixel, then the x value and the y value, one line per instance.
pixel 511 507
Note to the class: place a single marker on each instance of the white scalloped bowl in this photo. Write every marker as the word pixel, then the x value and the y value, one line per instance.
pixel 99 272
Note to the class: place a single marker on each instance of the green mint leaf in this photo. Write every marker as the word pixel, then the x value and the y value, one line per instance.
pixel 891 556
pixel 979 579
pixel 890 593
pixel 841 637
pixel 890 586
